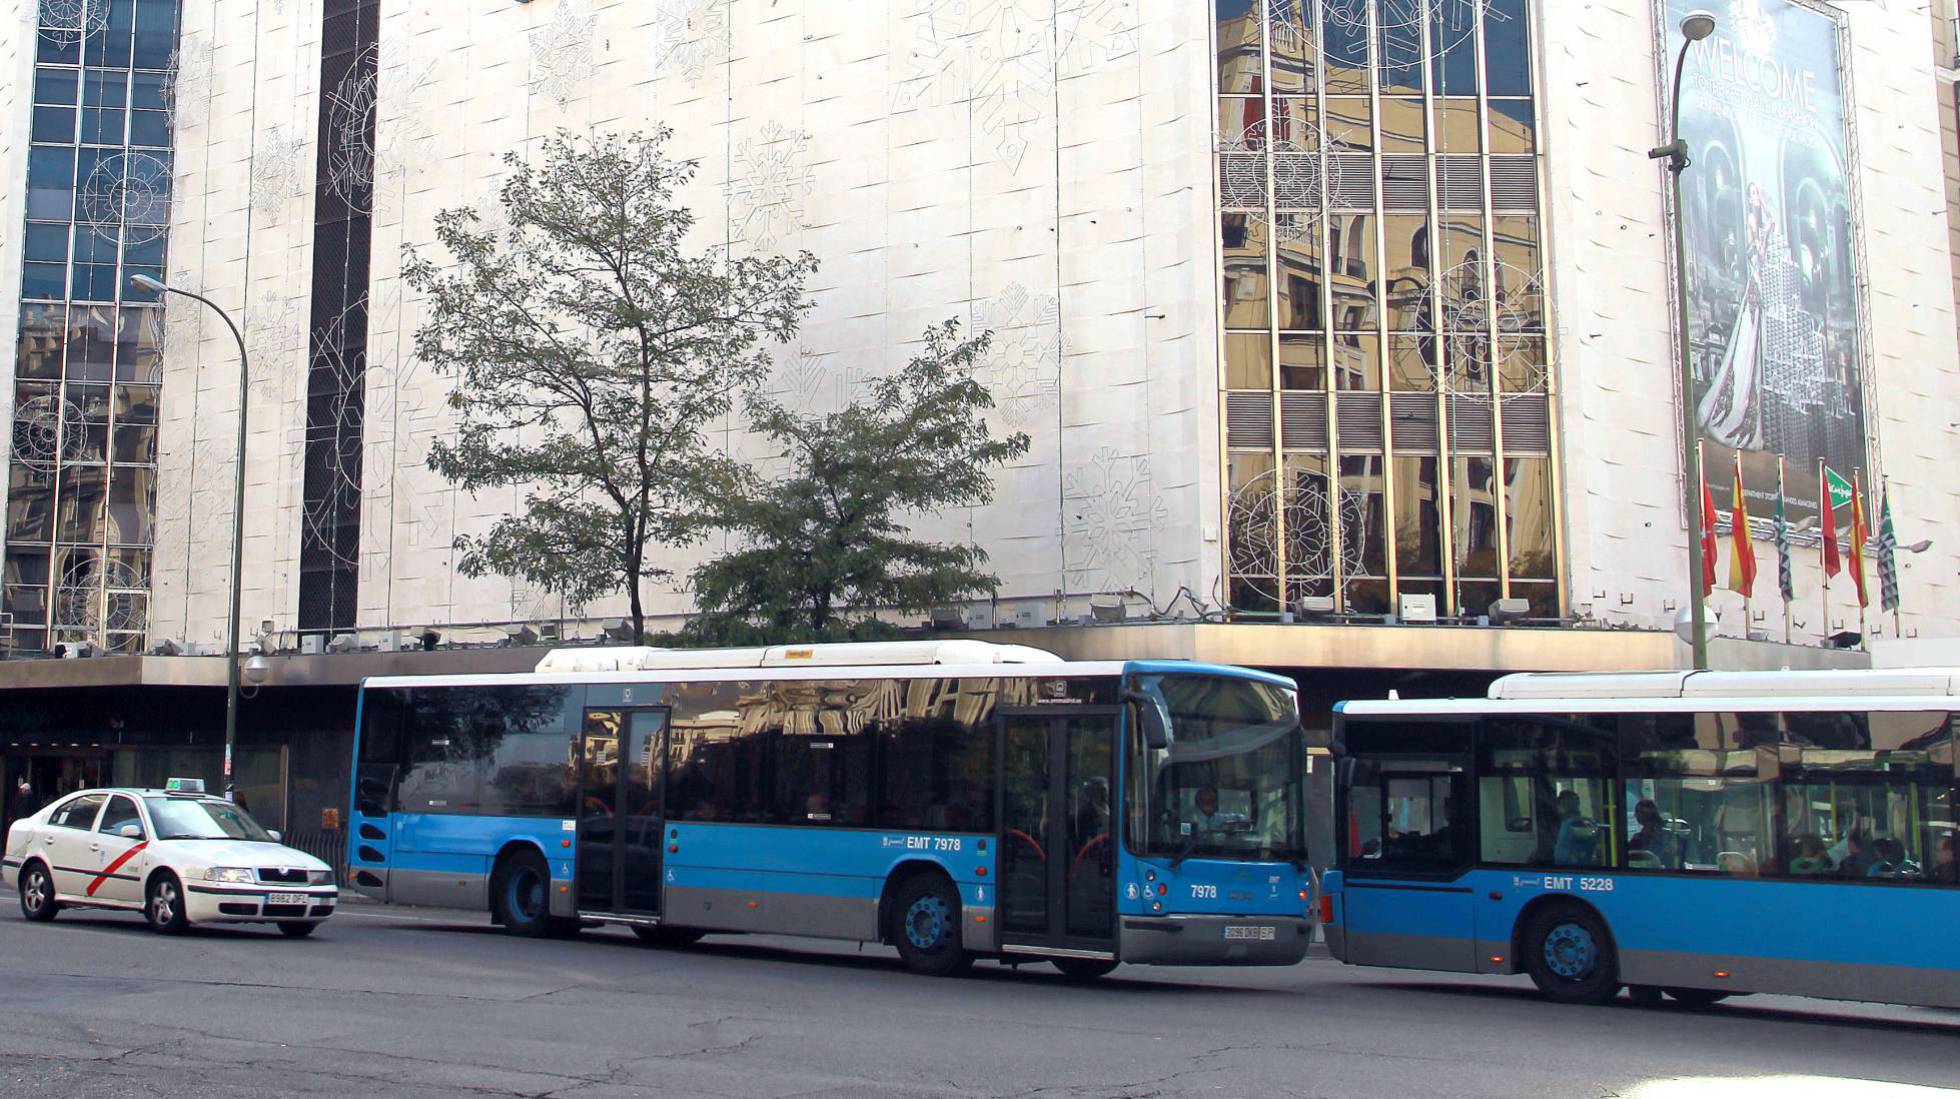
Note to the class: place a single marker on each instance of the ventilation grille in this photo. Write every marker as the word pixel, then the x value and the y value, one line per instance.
pixel 1303 421
pixel 1413 419
pixel 1249 420
pixel 1514 183
pixel 1405 183
pixel 1527 425
pixel 1360 418
pixel 1463 182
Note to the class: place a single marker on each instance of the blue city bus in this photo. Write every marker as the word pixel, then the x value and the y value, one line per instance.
pixel 956 800
pixel 1698 835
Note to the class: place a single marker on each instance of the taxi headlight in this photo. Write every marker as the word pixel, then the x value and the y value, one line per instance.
pixel 233 875
pixel 319 877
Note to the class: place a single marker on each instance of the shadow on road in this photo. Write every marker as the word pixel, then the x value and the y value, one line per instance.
pixel 1941 1022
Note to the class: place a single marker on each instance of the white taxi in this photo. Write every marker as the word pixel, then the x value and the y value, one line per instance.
pixel 175 855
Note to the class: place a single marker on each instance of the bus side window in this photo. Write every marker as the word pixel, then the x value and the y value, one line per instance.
pixel 1546 792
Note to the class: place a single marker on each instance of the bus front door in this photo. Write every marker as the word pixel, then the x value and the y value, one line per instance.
pixel 622 781
pixel 1057 877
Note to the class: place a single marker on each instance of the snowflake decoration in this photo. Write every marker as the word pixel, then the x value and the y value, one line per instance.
pixel 67 21
pixel 350 130
pixel 95 597
pixel 1112 513
pixel 772 178
pixel 187 88
pixel 1095 33
pixel 1483 327
pixel 46 430
pixel 276 166
pixel 800 377
pixel 992 54
pixel 127 195
pixel 274 331
pixel 561 54
pixel 695 35
pixel 1024 366
pixel 1253 515
pixel 1451 24
pixel 339 439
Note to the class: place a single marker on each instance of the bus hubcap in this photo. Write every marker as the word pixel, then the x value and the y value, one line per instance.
pixel 526 895
pixel 1569 951
pixel 925 924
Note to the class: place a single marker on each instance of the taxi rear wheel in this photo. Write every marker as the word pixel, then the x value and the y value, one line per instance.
pixel 37 893
pixel 297 930
pixel 165 905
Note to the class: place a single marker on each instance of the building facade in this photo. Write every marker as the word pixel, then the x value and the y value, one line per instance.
pixel 1317 310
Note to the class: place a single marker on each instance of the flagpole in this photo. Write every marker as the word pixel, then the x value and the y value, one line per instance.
pixel 1858 555
pixel 1823 487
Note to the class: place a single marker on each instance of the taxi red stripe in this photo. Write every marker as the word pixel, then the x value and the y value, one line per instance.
pixel 115 866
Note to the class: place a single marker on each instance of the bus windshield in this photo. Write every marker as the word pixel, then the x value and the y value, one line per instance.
pixel 1229 783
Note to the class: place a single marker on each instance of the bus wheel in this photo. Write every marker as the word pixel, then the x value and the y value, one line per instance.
pixel 1696 997
pixel 668 938
pixel 1570 956
pixel 1084 969
pixel 522 888
pixel 926 927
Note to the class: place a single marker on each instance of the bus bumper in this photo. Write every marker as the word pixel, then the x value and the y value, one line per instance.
pixel 1214 940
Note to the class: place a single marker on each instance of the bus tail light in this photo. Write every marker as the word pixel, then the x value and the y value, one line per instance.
pixel 1326 908
pixel 1721 974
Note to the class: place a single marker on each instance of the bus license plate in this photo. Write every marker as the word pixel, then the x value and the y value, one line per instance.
pixel 1242 933
pixel 285 898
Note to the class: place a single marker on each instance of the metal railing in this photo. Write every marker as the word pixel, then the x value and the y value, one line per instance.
pixel 327 845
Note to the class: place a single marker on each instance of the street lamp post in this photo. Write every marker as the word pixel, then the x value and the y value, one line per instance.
pixel 1695 27
pixel 156 286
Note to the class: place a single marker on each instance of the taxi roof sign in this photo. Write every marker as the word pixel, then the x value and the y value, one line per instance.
pixel 189 787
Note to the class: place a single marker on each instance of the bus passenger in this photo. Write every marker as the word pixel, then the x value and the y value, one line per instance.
pixel 1858 858
pixel 1808 855
pixel 1888 858
pixel 1653 836
pixel 1946 866
pixel 1578 840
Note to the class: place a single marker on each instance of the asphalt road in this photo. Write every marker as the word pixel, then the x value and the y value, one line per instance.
pixel 422 1004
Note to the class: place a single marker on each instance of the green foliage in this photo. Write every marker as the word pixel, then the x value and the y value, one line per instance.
pixel 591 352
pixel 825 545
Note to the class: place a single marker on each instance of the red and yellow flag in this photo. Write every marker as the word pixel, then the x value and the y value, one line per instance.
pixel 1859 533
pixel 1711 545
pixel 1742 552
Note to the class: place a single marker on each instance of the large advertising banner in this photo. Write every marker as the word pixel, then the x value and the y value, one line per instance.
pixel 1772 281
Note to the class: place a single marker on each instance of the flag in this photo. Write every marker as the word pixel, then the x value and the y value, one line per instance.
pixel 1859 533
pixel 1742 552
pixel 1829 517
pixel 1786 580
pixel 1710 544
pixel 1888 555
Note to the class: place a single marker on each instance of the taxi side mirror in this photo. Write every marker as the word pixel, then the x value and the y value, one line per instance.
pixel 274 833
pixel 130 831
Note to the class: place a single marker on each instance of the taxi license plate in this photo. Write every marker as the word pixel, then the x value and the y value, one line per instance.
pixel 286 898
pixel 1243 933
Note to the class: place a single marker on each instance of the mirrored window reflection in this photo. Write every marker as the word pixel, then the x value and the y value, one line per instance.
pixel 1246 238
pixel 1240 67
pixel 1248 360
pixel 1390 273
pixel 1310 531
pixel 1303 362
pixel 1252 532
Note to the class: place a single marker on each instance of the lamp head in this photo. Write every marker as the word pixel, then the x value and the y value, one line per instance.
pixel 145 282
pixel 257 670
pixel 1697 25
pixel 1920 546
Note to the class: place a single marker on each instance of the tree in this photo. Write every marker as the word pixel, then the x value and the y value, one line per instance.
pixel 824 546
pixel 591 351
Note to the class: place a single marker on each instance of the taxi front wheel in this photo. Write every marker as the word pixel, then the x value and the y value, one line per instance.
pixel 165 907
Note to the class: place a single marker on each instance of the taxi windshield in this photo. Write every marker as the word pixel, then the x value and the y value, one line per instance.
pixel 1229 783
pixel 190 819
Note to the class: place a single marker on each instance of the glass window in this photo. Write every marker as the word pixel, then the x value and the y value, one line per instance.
pixel 156 33
pixel 189 818
pixel 1418 517
pixel 1240 64
pixel 50 183
pixel 1352 260
pixel 1302 362
pixel 55 86
pixel 822 778
pixel 1546 795
pixel 1699 792
pixel 1869 796
pixel 1246 237
pixel 54 124
pixel 1344 45
pixel 1405 814
pixel 1507 50
pixel 1289 29
pixel 121 811
pixel 1248 360
pixel 1363 531
pixel 1299 272
pixel 936 763
pixel 1228 782
pixel 1528 486
pixel 79 813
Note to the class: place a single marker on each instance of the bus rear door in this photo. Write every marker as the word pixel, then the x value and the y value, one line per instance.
pixel 622 788
pixel 1057 853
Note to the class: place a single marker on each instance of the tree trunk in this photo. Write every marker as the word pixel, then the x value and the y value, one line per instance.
pixel 639 614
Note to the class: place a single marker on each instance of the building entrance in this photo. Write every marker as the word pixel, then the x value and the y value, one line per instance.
pixel 50 773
